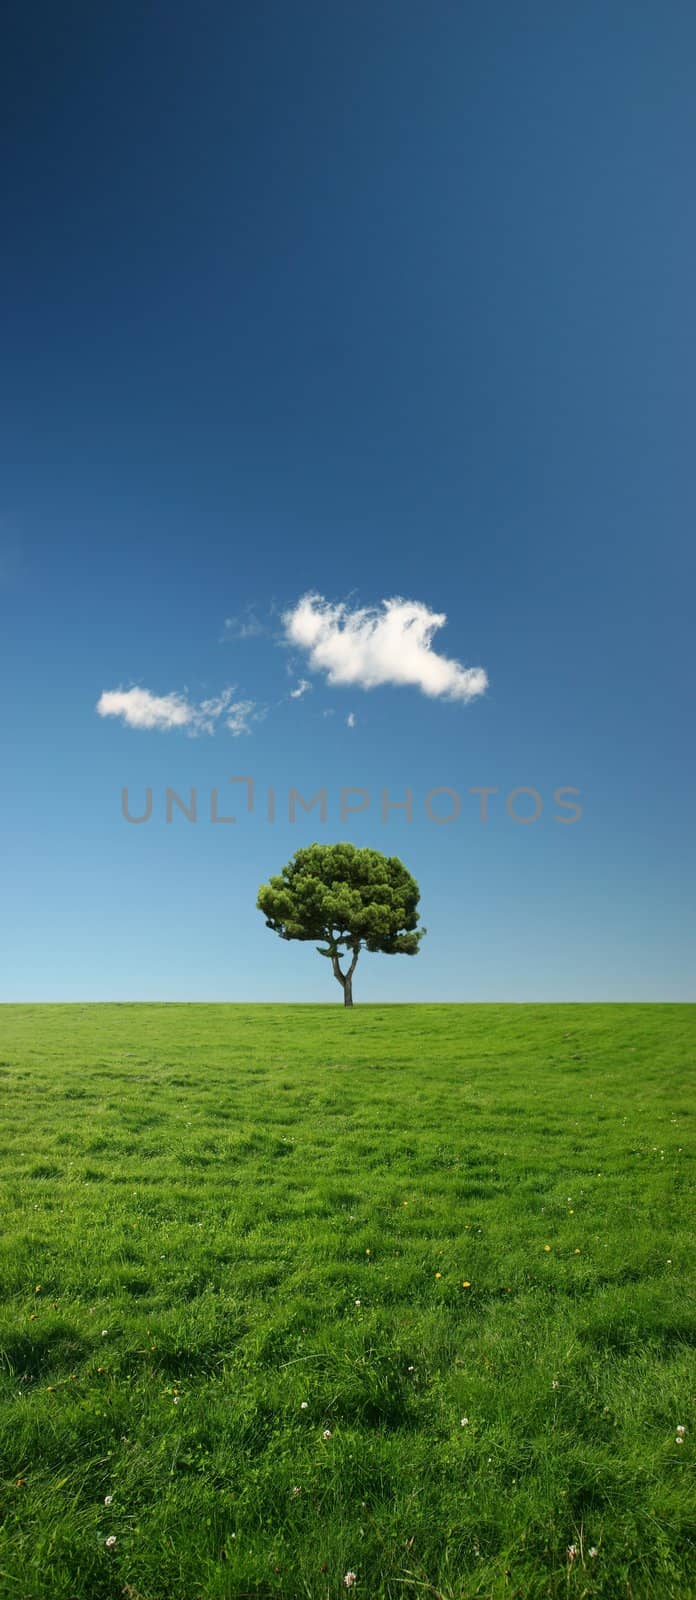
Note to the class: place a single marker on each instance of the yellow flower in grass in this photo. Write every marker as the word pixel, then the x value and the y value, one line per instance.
pixel 547 1247
pixel 465 1283
pixel 438 1274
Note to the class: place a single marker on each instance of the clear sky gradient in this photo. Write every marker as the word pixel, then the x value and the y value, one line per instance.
pixel 369 300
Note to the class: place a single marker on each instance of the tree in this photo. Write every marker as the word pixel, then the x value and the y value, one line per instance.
pixel 352 899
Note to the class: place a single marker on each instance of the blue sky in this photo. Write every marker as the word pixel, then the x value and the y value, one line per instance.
pixel 361 301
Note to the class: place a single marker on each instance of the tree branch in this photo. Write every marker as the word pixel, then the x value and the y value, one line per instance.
pixel 337 969
pixel 354 962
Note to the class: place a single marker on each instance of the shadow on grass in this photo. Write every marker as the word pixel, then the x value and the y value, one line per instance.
pixel 56 1348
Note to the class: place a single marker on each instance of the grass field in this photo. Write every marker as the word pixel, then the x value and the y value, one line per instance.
pixel 291 1293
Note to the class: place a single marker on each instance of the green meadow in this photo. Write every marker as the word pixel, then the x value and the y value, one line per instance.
pixel 294 1295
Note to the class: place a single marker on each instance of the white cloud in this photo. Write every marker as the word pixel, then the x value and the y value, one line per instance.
pixel 241 714
pixel 390 643
pixel 350 719
pixel 139 708
pixel 208 713
pixel 247 626
pixel 303 687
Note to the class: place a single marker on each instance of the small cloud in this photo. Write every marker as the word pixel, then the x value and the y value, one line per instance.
pixel 386 644
pixel 350 719
pixel 208 713
pixel 303 687
pixel 241 715
pixel 248 626
pixel 329 712
pixel 139 708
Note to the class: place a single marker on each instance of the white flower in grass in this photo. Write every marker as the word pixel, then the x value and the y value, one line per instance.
pixel 110 1542
pixel 327 1433
pixel 108 1499
pixel 358 1302
pixel 593 1551
pixel 303 1405
pixel 350 1579
pixel 554 1383
pixel 105 1333
pixel 296 1489
pixel 465 1422
pixel 681 1428
pixel 679 1439
pixel 572 1551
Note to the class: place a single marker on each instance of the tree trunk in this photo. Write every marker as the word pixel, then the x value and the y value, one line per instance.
pixel 345 978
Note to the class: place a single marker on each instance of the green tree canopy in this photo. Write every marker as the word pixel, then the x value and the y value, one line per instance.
pixel 351 899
